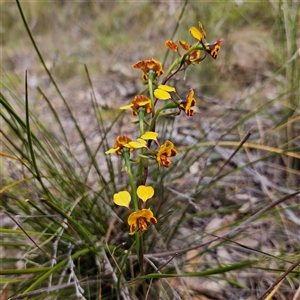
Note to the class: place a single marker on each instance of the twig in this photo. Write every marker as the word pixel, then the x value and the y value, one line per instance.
pixel 19 225
pixel 281 277
pixel 245 138
pixel 72 277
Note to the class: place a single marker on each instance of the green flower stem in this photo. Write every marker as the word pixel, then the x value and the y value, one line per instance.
pixel 150 87
pixel 157 113
pixel 143 166
pixel 196 46
pixel 152 124
pixel 126 157
pixel 171 68
pixel 141 120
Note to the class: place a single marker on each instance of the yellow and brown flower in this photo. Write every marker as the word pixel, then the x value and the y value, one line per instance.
pixel 213 49
pixel 137 102
pixel 166 150
pixel 121 142
pixel 149 65
pixel 138 219
pixel 186 104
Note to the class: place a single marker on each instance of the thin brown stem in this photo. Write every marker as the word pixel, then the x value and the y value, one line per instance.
pixel 281 277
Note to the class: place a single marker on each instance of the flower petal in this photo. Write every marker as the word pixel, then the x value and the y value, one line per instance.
pixel 141 141
pixel 166 88
pixel 122 198
pixel 162 95
pixel 196 33
pixel 145 192
pixel 136 145
pixel 112 150
pixel 184 45
pixel 149 135
pixel 126 106
pixel 202 29
pixel 171 45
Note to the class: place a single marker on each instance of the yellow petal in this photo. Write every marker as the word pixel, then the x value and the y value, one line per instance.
pixel 202 30
pixel 149 135
pixel 162 95
pixel 166 88
pixel 136 145
pixel 145 192
pixel 112 150
pixel 196 33
pixel 126 106
pixel 141 141
pixel 122 198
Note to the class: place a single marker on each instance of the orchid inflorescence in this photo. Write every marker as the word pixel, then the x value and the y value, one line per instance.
pixel 144 107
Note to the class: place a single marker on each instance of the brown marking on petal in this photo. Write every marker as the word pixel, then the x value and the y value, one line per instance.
pixel 141 222
pixel 190 112
pixel 171 45
pixel 195 55
pixel 213 49
pixel 153 220
pixel 202 30
pixel 184 45
pixel 144 76
pixel 166 163
pixel 173 152
pixel 132 228
pixel 134 112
